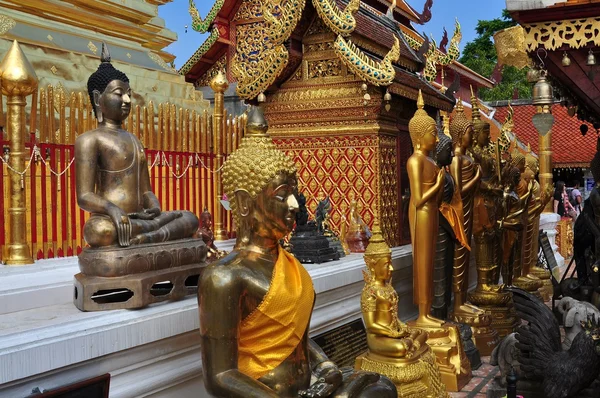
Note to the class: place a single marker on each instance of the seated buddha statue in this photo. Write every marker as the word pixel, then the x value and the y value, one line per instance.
pixel 255 305
pixel 395 350
pixel 357 236
pixel 206 233
pixel 112 180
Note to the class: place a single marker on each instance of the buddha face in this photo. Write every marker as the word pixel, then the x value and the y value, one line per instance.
pixel 383 268
pixel 276 207
pixel 429 139
pixel 467 137
pixel 483 136
pixel 115 102
pixel 206 220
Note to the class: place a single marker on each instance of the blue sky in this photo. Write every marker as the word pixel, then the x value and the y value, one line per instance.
pixel 444 11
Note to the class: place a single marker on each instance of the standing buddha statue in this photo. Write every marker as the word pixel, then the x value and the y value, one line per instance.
pixel 395 350
pixel 426 187
pixel 255 305
pixel 489 295
pixel 531 244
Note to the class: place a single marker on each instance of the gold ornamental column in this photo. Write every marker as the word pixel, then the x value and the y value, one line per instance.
pixel 219 84
pixel 545 158
pixel 18 80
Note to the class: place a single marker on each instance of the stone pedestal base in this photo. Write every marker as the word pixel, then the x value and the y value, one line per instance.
pixel 446 345
pixel 547 289
pixel 94 293
pixel 418 377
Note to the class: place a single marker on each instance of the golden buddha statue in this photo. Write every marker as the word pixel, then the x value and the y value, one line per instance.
pixel 255 304
pixel 531 243
pixel 426 187
pixel 395 350
pixel 134 244
pixel 521 277
pixel 206 233
pixel 487 234
pixel 357 235
pixel 112 179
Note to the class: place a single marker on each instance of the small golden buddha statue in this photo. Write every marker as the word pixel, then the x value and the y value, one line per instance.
pixel 357 235
pixel 255 304
pixel 426 187
pixel 206 233
pixel 112 179
pixel 395 350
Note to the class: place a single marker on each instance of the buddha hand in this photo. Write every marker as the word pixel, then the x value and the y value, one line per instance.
pixel 122 224
pixel 146 214
pixel 329 379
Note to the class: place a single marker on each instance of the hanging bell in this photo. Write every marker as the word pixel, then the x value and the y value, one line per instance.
pixel 566 61
pixel 364 87
pixel 542 91
pixel 387 96
pixel 262 98
pixel 591 59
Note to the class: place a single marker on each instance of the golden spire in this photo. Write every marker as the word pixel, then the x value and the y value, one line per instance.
pixel 377 246
pixel 18 76
pixel 420 122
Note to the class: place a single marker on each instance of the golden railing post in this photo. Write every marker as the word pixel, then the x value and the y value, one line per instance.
pixel 219 84
pixel 18 80
pixel 545 158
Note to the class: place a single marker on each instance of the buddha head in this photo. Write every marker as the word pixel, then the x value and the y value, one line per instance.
pixel 444 151
pixel 109 91
pixel 206 219
pixel 260 181
pixel 422 128
pixel 518 160
pixel 378 256
pixel 532 162
pixel 461 128
pixel 481 129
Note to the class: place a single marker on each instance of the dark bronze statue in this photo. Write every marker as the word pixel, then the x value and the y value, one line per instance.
pixel 206 233
pixel 112 173
pixel 256 303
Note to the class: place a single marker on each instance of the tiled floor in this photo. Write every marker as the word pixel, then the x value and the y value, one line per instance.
pixel 477 387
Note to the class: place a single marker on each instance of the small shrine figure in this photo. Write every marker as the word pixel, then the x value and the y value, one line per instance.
pixel 395 350
pixel 255 304
pixel 358 234
pixel 132 240
pixel 322 215
pixel 206 233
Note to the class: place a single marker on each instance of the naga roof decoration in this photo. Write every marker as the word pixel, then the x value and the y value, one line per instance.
pixel 202 25
pixel 340 22
pixel 377 73
pixel 256 66
pixel 212 39
pixel 434 55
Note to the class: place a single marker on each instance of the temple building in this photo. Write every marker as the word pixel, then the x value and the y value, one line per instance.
pixel 338 94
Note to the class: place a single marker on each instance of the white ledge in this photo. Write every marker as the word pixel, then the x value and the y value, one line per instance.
pixel 44 335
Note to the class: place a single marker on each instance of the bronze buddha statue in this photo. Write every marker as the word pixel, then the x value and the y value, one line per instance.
pixel 255 304
pixel 395 350
pixel 139 254
pixel 112 179
pixel 206 233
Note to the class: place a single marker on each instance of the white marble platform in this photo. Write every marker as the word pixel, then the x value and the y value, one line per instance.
pixel 45 342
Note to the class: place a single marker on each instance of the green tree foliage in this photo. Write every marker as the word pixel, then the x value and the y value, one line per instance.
pixel 480 55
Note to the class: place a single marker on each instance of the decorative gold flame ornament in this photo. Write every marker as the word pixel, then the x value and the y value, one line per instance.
pixel 426 187
pixel 395 350
pixel 18 81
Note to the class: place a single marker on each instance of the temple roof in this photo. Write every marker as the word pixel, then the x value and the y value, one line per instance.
pixel 569 147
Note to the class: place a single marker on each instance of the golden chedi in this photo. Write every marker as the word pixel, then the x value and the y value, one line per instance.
pixel 426 187
pixel 489 295
pixel 255 304
pixel 395 350
pixel 531 245
pixel 467 175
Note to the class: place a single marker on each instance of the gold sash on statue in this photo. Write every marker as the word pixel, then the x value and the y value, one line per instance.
pixel 275 328
pixel 453 213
